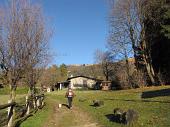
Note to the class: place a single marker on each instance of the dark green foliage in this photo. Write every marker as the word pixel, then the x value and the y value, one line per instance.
pixel 63 70
pixel 157 32
pixel 166 24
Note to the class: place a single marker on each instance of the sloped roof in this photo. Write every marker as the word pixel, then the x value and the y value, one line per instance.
pixel 84 77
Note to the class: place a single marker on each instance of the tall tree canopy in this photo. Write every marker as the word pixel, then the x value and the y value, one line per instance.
pixel 145 25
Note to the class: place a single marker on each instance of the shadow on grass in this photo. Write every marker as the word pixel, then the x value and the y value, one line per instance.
pixel 112 118
pixel 95 106
pixel 156 93
pixel 3 119
pixel 65 105
pixel 140 101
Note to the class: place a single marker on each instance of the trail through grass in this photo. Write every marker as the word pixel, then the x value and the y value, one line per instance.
pixel 152 104
pixel 52 116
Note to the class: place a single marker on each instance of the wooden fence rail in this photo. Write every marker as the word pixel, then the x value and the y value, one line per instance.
pixel 7 105
pixel 31 106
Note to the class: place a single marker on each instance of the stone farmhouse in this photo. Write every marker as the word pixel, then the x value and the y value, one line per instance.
pixel 79 82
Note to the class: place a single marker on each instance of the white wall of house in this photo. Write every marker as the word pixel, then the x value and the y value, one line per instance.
pixel 81 82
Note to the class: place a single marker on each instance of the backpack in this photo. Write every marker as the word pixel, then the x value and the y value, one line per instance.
pixel 70 94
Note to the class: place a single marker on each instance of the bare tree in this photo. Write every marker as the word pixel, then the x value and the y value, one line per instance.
pixel 120 46
pixel 126 16
pixel 36 37
pixel 106 61
pixel 24 42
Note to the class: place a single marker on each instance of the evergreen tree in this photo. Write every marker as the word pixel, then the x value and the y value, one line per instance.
pixel 166 17
pixel 157 33
pixel 63 71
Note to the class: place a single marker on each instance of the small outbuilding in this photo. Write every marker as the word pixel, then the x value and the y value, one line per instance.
pixel 60 85
pixel 106 85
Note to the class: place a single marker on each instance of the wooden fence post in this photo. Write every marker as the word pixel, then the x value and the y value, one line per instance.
pixel 38 101
pixel 27 106
pixel 42 100
pixel 9 101
pixel 10 114
pixel 34 102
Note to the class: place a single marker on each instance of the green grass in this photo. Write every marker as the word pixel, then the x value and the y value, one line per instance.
pixel 153 111
pixel 5 94
pixel 41 117
pixel 20 90
pixel 19 98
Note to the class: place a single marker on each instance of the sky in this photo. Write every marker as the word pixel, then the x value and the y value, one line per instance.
pixel 79 28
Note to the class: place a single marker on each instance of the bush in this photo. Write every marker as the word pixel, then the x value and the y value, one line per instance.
pixel 138 79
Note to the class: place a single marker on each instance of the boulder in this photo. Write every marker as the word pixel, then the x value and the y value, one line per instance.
pixel 98 103
pixel 131 117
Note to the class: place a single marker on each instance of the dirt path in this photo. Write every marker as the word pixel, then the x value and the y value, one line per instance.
pixel 64 117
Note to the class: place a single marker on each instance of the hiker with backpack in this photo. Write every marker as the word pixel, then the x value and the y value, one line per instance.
pixel 70 95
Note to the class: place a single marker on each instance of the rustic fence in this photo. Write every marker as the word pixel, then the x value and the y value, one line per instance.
pixel 32 104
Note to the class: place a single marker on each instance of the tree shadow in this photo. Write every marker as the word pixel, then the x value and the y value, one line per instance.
pixel 139 101
pixel 95 106
pixel 156 93
pixel 3 119
pixel 65 105
pixel 113 118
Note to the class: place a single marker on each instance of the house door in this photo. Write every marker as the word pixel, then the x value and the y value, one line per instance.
pixel 85 83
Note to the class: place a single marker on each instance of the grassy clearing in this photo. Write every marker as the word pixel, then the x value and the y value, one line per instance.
pixel 20 99
pixel 152 104
pixel 42 116
pixel 20 94
pixel 153 110
pixel 20 90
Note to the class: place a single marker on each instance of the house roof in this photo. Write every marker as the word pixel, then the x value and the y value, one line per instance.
pixel 84 77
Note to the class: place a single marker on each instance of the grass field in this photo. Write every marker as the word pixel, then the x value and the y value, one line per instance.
pixel 4 97
pixel 152 104
pixel 20 94
pixel 19 90
pixel 39 119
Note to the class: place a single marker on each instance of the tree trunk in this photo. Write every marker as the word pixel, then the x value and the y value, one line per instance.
pixel 11 114
pixel 148 68
pixel 133 46
pixel 148 63
pixel 127 69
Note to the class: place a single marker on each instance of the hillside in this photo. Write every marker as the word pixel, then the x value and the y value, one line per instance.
pixel 90 70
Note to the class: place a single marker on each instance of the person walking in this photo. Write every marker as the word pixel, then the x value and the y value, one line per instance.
pixel 70 95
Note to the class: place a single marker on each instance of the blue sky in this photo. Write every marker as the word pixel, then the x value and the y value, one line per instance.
pixel 80 27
